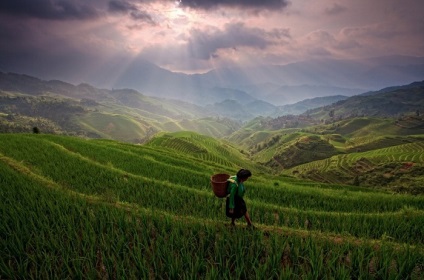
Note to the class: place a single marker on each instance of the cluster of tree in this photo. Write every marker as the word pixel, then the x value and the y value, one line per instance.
pixel 58 111
pixel 46 107
pixel 13 123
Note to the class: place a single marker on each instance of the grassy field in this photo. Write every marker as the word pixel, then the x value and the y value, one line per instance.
pixel 75 208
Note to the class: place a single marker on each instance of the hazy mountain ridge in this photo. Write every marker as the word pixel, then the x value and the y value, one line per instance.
pixel 107 108
pixel 59 107
pixel 106 113
pixel 307 104
pixel 293 94
pixel 274 83
pixel 388 102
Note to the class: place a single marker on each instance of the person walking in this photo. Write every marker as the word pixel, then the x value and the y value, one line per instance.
pixel 235 205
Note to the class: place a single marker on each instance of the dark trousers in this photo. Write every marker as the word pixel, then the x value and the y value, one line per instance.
pixel 240 208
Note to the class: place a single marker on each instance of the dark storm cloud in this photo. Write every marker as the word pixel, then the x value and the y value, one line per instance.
pixel 121 7
pixel 125 7
pixel 255 4
pixel 142 16
pixel 204 45
pixel 49 9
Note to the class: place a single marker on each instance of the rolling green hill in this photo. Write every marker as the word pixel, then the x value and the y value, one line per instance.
pixel 56 114
pixel 120 114
pixel 306 152
pixel 302 150
pixel 400 166
pixel 205 148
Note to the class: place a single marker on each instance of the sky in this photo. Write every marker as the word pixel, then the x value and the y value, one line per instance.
pixel 72 39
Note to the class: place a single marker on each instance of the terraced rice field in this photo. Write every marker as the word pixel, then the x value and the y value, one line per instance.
pixel 349 164
pixel 74 208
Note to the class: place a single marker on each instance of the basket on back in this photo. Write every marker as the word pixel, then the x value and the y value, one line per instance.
pixel 219 184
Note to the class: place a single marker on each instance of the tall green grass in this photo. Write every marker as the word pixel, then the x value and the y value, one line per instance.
pixel 78 208
pixel 48 233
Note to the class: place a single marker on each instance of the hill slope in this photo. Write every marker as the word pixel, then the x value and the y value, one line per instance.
pixel 115 210
pixel 306 152
pixel 389 102
pixel 303 145
pixel 203 147
pixel 124 114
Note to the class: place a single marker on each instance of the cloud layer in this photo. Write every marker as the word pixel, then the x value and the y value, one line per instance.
pixel 256 4
pixel 49 9
pixel 75 39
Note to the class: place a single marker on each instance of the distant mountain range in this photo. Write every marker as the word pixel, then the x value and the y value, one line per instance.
pixel 225 102
pixel 388 102
pixel 128 115
pixel 275 84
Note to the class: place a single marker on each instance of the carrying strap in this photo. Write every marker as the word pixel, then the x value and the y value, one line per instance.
pixel 234 182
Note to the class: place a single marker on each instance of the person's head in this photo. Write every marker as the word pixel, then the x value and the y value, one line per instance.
pixel 243 175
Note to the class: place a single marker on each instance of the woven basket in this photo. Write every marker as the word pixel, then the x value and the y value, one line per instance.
pixel 219 184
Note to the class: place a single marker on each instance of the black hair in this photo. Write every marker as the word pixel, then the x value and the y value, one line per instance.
pixel 244 174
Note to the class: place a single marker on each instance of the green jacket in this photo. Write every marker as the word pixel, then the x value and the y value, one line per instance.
pixel 235 190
